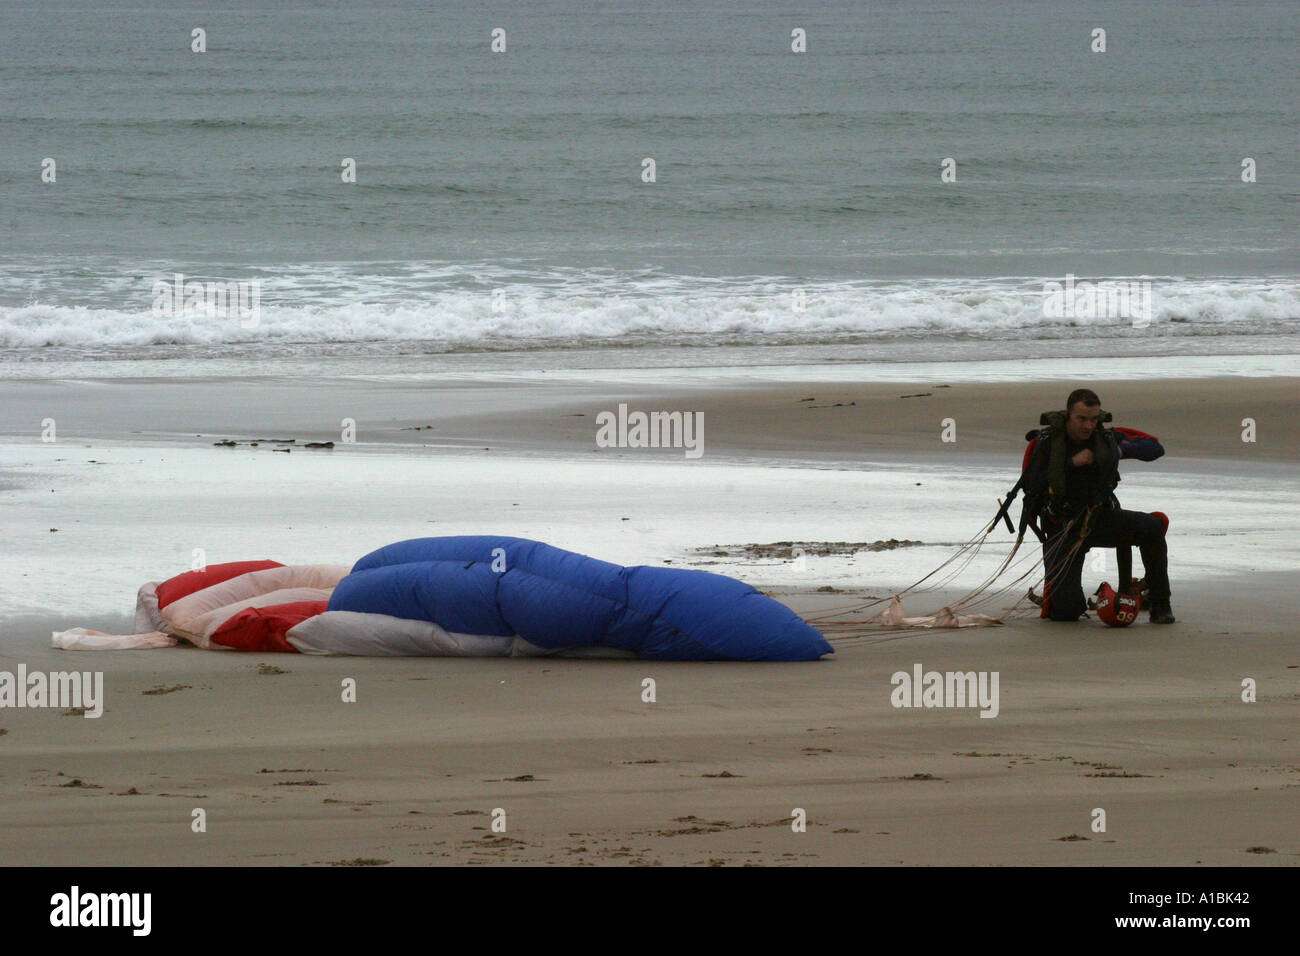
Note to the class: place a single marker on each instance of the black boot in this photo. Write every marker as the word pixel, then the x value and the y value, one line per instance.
pixel 1160 612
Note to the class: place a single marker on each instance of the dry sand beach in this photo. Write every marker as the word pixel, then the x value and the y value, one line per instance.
pixel 1146 723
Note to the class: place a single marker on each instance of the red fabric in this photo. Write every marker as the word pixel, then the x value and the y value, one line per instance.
pixel 264 628
pixel 183 585
pixel 1164 519
pixel 1029 453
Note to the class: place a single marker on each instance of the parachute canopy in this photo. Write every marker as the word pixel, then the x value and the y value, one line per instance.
pixel 476 596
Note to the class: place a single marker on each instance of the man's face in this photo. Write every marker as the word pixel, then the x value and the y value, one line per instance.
pixel 1082 421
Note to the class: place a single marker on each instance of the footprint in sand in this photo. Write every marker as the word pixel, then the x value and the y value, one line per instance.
pixel 360 861
pixel 1112 773
pixel 915 776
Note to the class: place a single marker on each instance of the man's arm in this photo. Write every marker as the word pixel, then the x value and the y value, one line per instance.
pixel 1146 448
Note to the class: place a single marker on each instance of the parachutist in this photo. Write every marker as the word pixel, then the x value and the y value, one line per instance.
pixel 1070 472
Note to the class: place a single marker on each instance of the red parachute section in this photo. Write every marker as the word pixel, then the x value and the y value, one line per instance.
pixel 183 585
pixel 266 628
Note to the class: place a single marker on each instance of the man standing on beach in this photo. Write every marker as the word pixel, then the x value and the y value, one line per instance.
pixel 1069 485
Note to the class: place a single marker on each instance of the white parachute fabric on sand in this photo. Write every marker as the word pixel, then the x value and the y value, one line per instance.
pixel 361 634
pixel 380 635
pixel 893 617
pixel 87 639
pixel 147 616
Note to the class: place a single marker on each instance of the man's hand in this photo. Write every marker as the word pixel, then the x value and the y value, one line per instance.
pixel 1082 458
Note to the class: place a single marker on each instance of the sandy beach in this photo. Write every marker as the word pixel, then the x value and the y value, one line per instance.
pixel 1147 723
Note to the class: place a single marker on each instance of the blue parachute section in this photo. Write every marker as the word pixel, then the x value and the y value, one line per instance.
pixel 482 584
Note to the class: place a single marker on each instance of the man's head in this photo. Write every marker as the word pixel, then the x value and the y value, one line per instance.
pixel 1082 414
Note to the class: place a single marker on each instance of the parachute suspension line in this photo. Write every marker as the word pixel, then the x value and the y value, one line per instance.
pixel 1031 560
pixel 1006 590
pixel 848 632
pixel 972 545
pixel 988 582
pixel 970 554
pixel 963 554
pixel 982 596
pixel 879 635
pixel 986 594
pixel 1051 578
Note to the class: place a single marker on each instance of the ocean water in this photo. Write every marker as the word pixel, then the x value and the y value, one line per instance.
pixel 499 206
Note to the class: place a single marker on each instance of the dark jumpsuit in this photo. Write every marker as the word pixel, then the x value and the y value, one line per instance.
pixel 1111 527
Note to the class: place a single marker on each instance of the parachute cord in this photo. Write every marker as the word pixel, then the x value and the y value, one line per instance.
pixel 975 543
pixel 978 598
pixel 844 631
pixel 1029 562
pixel 988 582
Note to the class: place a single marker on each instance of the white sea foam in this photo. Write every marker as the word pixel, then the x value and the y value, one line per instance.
pixel 494 308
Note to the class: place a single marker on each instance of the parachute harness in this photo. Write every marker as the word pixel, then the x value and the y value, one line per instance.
pixel 1085 526
pixel 841 629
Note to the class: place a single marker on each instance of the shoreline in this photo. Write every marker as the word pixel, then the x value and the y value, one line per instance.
pixel 1194 417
